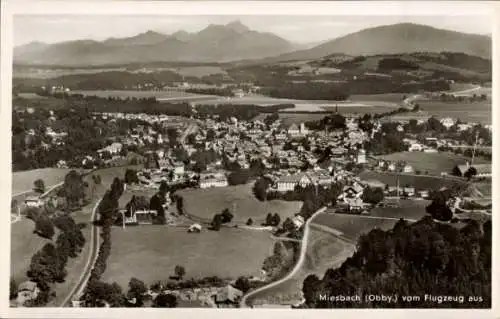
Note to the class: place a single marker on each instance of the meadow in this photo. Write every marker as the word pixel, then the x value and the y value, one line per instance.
pixel 352 227
pixel 324 251
pixel 151 253
pixel 205 203
pixel 433 163
pixel 418 181
pixel 23 181
pixel 474 112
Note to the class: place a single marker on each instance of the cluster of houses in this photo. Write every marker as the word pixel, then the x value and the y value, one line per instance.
pixel 215 297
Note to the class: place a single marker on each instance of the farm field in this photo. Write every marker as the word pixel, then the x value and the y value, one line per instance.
pixel 417 181
pixel 324 251
pixel 198 71
pixel 475 112
pixel 23 181
pixel 352 226
pixel 151 253
pixel 137 94
pixel 411 209
pixel 386 97
pixel 433 163
pixel 205 203
pixel 24 244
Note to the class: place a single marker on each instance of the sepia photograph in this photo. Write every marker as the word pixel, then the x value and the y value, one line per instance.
pixel 251 159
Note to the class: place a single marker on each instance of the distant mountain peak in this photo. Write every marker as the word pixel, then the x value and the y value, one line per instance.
pixel 237 26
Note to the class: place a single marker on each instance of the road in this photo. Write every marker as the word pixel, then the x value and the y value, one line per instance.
pixel 92 256
pixel 466 91
pixel 298 265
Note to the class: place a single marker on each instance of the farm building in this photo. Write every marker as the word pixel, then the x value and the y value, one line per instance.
pixel 213 179
pixel 228 297
pixel 138 217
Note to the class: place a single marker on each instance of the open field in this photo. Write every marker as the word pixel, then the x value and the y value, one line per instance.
pixel 151 253
pixel 433 163
pixel 417 181
pixel 352 226
pixel 198 71
pixel 205 203
pixel 24 244
pixel 324 251
pixel 475 112
pixel 23 181
pixel 411 209
pixel 137 94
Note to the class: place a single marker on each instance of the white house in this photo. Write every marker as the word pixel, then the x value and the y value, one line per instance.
pixel 407 169
pixel 289 182
pixel 293 130
pixel 416 147
pixel 361 157
pixel 298 221
pixel 213 179
pixel 33 201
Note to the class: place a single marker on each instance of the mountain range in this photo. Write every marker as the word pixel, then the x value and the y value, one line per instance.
pixel 235 41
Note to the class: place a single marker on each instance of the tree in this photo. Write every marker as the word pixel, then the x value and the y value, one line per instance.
pixel 238 177
pixel 180 271
pixel 131 177
pixel 438 208
pixel 372 195
pixel 288 225
pixel 136 289
pixel 73 189
pixel 44 227
pixel 456 171
pixel 165 301
pixel 249 222
pixel 226 216
pixel 13 289
pixel 260 188
pixel 276 219
pixel 310 288
pixel 269 219
pixel 163 188
pixel 216 222
pixel 39 186
pixel 243 284
pixel 470 173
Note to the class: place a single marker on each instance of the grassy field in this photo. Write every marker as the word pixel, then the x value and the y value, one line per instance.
pixel 434 163
pixel 151 253
pixel 352 226
pixel 205 203
pixel 419 182
pixel 411 209
pixel 23 181
pixel 324 251
pixel 137 94
pixel 24 243
pixel 199 71
pixel 475 112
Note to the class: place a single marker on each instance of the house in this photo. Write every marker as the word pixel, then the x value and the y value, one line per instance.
pixel 163 163
pixel 26 291
pixel 423 193
pixel 298 221
pixel 416 147
pixel 293 130
pixel 289 182
pixel 195 228
pixel 213 179
pixel 391 167
pixel 114 148
pixel 408 169
pixel 409 191
pixel 138 217
pixel 361 157
pixel 227 297
pixel 33 201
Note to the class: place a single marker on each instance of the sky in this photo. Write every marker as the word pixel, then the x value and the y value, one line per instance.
pixel 298 29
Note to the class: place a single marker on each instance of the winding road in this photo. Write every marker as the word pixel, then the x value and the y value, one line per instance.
pixel 303 250
pixel 92 256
